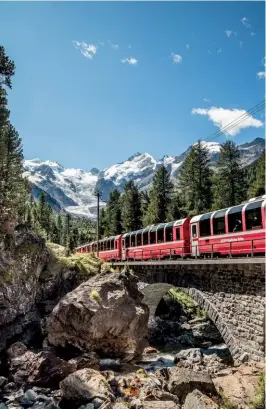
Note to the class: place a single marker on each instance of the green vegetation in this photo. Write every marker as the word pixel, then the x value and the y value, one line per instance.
pixel 96 296
pixel 186 301
pixel 259 401
pixel 256 177
pixel 225 402
pixel 85 264
pixel 229 184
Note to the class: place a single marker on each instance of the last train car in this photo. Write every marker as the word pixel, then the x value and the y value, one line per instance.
pixel 237 230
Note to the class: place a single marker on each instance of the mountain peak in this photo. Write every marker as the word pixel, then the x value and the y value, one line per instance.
pixel 135 155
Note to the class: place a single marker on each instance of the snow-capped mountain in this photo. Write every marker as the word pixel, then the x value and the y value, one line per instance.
pixel 73 189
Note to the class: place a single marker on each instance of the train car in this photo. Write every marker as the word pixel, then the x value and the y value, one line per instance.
pixel 237 230
pixel 109 248
pixel 157 241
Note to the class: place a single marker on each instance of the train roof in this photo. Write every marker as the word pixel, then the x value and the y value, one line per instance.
pixel 248 205
pixel 155 227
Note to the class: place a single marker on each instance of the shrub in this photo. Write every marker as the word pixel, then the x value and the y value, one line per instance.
pixel 96 296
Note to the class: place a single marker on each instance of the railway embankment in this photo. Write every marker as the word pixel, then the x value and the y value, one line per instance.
pixel 76 334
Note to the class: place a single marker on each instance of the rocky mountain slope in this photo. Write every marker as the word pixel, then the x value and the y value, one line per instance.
pixel 73 189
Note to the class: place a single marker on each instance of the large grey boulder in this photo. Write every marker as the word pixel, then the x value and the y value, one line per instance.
pixel 41 368
pixel 197 400
pixel 181 381
pixel 85 385
pixel 105 314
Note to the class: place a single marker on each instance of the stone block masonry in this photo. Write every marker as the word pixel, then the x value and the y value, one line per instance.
pixel 232 294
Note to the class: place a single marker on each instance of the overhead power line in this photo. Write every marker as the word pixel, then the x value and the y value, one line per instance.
pixel 258 107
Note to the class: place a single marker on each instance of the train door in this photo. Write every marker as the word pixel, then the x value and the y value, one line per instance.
pixel 123 249
pixel 194 239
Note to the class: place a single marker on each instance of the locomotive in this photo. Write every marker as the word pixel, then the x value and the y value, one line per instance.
pixel 234 231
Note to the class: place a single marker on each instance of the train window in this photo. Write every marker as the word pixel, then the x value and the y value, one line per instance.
pixel 160 235
pixel 169 233
pixel 219 225
pixel 235 222
pixel 145 239
pixel 253 218
pixel 194 231
pixel 205 228
pixel 132 240
pixel 127 242
pixel 152 237
pixel 139 239
pixel 177 233
pixel 112 244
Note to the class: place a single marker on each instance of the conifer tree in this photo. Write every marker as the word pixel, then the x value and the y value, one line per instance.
pixel 160 197
pixel 257 177
pixel 175 208
pixel 229 179
pixel 195 180
pixel 102 223
pixel 113 224
pixel 131 208
pixel 145 201
pixel 59 226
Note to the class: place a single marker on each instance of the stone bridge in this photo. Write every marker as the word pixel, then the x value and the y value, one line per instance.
pixel 231 291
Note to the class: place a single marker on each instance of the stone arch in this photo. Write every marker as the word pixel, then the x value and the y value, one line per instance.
pixel 153 293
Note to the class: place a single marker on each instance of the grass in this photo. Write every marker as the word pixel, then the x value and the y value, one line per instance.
pixel 225 402
pixel 259 401
pixel 96 296
pixel 186 301
pixel 85 264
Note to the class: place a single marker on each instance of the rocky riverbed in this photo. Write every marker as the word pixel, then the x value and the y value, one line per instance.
pixel 75 339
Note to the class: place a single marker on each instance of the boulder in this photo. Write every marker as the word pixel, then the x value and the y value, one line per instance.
pixel 21 262
pixel 156 404
pixel 206 331
pixel 85 385
pixel 41 368
pixel 105 314
pixel 197 400
pixel 86 360
pixel 181 381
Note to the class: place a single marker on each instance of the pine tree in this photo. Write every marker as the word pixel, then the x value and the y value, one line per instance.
pixel 113 214
pixel 257 177
pixel 102 223
pixel 229 179
pixel 12 185
pixel 59 226
pixel 195 180
pixel 131 208
pixel 160 197
pixel 145 201
pixel 175 208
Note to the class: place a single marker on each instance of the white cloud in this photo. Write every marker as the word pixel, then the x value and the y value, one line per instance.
pixel 87 50
pixel 130 61
pixel 176 58
pixel 261 75
pixel 241 44
pixel 188 46
pixel 221 117
pixel 244 21
pixel 114 46
pixel 252 33
pixel 228 33
pixel 206 100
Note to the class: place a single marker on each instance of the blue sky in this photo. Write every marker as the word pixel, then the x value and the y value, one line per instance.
pixel 97 109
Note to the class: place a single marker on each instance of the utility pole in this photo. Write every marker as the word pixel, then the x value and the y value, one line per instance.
pixel 98 194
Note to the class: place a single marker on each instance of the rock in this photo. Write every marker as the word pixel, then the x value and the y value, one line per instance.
pixel 192 354
pixel 87 360
pixel 155 404
pixel 30 395
pixel 97 403
pixel 20 265
pixel 206 331
pixel 150 350
pixel 196 400
pixel 239 387
pixel 41 369
pixel 3 380
pixel 182 381
pixel 3 406
pixel 85 385
pixel 244 357
pixel 88 406
pixel 104 314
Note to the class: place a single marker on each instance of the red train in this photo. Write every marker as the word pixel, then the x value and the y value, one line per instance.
pixel 238 230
